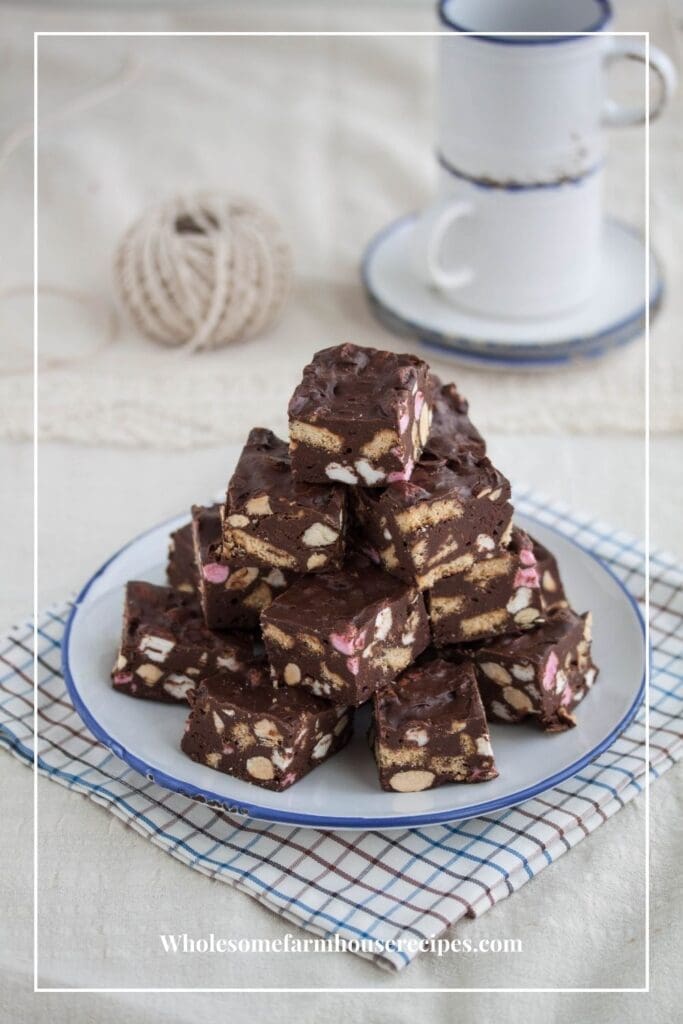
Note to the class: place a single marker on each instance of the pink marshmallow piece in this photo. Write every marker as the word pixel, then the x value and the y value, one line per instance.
pixel 402 474
pixel 342 643
pixel 551 667
pixel 527 557
pixel 122 678
pixel 214 572
pixel 527 578
pixel 349 642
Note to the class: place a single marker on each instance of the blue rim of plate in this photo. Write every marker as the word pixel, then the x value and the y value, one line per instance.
pixel 524 354
pixel 529 39
pixel 291 818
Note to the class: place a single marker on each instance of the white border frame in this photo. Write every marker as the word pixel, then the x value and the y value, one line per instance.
pixel 37 989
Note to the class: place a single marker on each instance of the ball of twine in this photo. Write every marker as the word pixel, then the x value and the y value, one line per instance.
pixel 201 271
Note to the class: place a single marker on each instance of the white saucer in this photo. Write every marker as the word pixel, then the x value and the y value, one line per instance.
pixel 613 317
pixel 344 793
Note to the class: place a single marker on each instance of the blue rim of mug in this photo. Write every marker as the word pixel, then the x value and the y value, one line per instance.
pixel 490 185
pixel 273 813
pixel 528 39
pixel 520 355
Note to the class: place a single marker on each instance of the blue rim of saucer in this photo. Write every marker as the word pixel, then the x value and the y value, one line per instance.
pixel 529 39
pixel 256 810
pixel 502 354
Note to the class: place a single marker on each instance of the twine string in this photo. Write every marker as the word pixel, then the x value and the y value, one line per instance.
pixel 203 271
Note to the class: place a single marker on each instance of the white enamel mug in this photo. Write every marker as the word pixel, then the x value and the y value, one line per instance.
pixel 516 229
pixel 532 108
pixel 513 252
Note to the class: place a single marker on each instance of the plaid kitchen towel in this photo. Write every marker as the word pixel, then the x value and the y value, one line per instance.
pixel 372 888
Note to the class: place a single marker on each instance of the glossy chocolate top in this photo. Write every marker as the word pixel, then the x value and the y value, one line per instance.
pixel 467 473
pixel 558 627
pixel 452 430
pixel 181 571
pixel 320 602
pixel 521 541
pixel 349 382
pixel 465 476
pixel 264 468
pixel 207 525
pixel 286 702
pixel 159 610
pixel 181 539
pixel 431 689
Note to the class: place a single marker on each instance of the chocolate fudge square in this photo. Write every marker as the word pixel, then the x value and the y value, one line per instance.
pixel 541 674
pixel 232 596
pixel 453 510
pixel 359 416
pixel 449 514
pixel 181 571
pixel 266 736
pixel 276 522
pixel 452 431
pixel 497 594
pixel 343 634
pixel 166 649
pixel 430 728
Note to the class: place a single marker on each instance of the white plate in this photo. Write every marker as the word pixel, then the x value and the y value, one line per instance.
pixel 614 316
pixel 344 793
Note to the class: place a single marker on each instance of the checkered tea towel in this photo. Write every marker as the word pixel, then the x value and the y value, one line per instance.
pixel 372 888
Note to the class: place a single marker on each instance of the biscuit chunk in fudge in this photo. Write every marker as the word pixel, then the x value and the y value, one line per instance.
pixel 262 735
pixel 359 416
pixel 430 728
pixel 166 649
pixel 499 593
pixel 232 596
pixel 181 571
pixel 541 674
pixel 276 522
pixel 343 634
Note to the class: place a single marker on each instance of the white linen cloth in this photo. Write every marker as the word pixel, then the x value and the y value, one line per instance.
pixel 335 135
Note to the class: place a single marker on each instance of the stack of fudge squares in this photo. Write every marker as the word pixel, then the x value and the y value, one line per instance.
pixel 373 558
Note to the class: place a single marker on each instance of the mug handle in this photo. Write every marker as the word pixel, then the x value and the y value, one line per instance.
pixel 634 49
pixel 430 233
